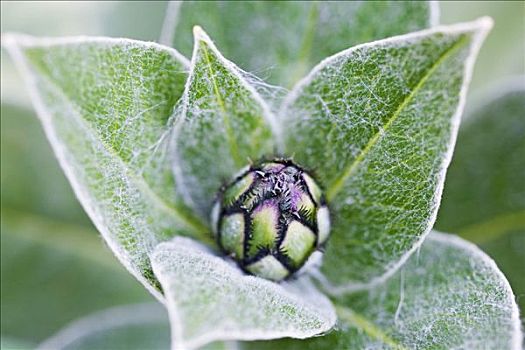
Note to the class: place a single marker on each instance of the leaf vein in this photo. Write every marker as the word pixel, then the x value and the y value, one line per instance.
pixel 229 133
pixel 194 224
pixel 367 326
pixel 352 167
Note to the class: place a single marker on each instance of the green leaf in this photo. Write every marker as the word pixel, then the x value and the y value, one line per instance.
pixel 139 326
pixel 448 296
pixel 9 343
pixel 502 53
pixel 485 193
pixel 135 326
pixel 282 40
pixel 484 197
pixel 53 272
pixel 223 125
pixel 51 256
pixel 105 105
pixel 141 20
pixel 377 123
pixel 209 298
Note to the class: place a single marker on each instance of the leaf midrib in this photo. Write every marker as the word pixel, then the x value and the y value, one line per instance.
pixel 306 46
pixel 359 321
pixel 197 227
pixel 234 150
pixel 337 185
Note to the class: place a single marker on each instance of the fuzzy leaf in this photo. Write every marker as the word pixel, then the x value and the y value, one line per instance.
pixel 377 123
pixel 484 196
pixel 105 104
pixel 448 296
pixel 223 124
pixel 210 299
pixel 282 40
pixel 49 265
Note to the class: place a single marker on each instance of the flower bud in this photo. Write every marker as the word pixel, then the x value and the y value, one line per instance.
pixel 271 218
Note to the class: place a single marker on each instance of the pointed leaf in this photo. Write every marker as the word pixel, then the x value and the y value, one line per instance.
pixel 502 54
pixel 282 40
pixel 223 125
pixel 449 296
pixel 377 122
pixel 209 299
pixel 105 104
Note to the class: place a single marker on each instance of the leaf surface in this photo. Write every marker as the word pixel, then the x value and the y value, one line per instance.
pixel 448 296
pixel 105 105
pixel 377 124
pixel 209 299
pixel 222 126
pixel 282 40
pixel 51 255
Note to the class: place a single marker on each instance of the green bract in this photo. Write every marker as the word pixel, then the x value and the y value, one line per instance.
pixel 271 218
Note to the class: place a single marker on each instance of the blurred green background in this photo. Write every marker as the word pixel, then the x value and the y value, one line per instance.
pixel 54 265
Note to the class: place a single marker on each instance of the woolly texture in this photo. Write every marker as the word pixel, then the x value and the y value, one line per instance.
pixel 484 197
pixel 105 104
pixel 450 295
pixel 222 123
pixel 106 107
pixel 378 122
pixel 202 290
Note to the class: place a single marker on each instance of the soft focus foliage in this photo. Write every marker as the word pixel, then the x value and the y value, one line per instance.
pixel 54 267
pixel 484 198
pixel 281 41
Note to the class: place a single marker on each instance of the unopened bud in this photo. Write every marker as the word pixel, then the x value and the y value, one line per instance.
pixel 271 218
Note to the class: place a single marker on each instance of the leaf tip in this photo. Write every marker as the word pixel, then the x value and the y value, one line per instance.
pixel 483 25
pixel 9 40
pixel 199 34
pixel 485 22
pixel 201 37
